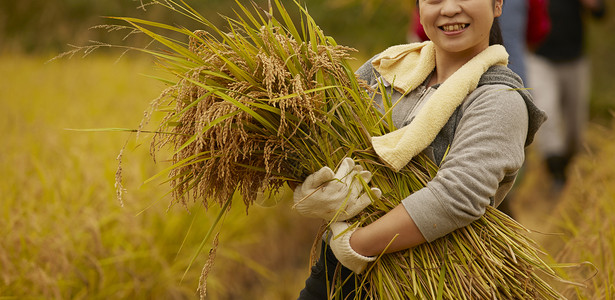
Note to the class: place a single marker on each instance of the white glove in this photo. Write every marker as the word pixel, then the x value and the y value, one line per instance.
pixel 324 193
pixel 340 245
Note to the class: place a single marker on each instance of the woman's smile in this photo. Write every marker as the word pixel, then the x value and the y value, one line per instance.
pixel 459 26
pixel 454 28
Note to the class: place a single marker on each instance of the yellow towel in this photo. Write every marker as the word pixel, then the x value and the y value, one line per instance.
pixel 406 67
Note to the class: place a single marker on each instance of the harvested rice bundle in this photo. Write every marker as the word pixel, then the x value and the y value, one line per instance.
pixel 268 103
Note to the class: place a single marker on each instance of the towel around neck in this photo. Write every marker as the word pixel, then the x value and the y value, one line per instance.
pixel 406 67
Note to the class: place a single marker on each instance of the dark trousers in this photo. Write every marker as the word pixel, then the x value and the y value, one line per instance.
pixel 325 272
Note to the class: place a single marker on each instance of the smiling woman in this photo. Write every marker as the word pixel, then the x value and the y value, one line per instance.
pixel 455 100
pixel 271 103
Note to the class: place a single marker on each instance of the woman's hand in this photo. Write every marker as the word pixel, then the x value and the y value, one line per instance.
pixel 340 195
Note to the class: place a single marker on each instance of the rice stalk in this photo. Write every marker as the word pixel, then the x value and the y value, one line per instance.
pixel 267 103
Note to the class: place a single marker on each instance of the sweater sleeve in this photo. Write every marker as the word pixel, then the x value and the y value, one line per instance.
pixel 488 145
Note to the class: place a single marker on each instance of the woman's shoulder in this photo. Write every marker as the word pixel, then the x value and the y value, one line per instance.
pixel 493 97
pixel 501 85
pixel 501 91
pixel 499 74
pixel 367 72
pixel 494 82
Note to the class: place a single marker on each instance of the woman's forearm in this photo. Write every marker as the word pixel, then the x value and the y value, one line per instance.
pixel 396 225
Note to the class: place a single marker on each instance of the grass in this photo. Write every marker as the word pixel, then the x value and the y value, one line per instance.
pixel 64 234
pixel 586 217
pixel 576 226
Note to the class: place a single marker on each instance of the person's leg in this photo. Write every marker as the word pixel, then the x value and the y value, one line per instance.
pixel 323 276
pixel 544 84
pixel 575 102
pixel 316 285
pixel 574 90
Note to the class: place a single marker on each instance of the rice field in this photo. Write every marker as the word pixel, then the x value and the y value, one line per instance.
pixel 64 235
pixel 576 226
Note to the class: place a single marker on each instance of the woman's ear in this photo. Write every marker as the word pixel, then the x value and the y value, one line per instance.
pixel 498 8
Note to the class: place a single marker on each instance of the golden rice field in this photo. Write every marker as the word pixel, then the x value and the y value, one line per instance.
pixel 64 235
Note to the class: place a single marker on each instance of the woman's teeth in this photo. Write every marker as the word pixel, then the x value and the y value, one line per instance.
pixel 455 27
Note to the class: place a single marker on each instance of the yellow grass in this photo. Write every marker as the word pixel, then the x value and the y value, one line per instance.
pixel 64 234
pixel 579 221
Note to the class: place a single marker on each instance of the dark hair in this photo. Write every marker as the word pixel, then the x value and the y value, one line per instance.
pixel 495 35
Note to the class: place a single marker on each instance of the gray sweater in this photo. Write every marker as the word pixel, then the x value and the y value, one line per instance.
pixel 487 135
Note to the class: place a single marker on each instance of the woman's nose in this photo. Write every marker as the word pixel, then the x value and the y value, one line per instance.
pixel 450 8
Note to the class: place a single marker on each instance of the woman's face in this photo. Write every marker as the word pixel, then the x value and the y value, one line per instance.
pixel 459 26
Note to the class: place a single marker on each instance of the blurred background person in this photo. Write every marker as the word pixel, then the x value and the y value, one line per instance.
pixel 524 24
pixel 513 24
pixel 559 76
pixel 415 31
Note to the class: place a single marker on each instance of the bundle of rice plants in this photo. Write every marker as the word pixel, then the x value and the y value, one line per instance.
pixel 266 103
